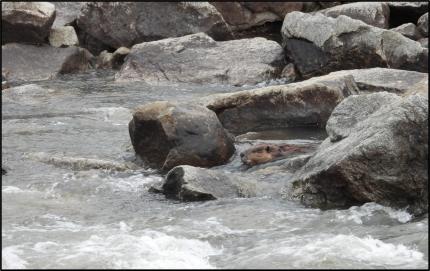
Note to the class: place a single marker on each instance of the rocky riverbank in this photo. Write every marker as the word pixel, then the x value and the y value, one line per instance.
pixel 353 69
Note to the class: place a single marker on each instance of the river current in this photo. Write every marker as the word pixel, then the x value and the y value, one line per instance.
pixel 68 213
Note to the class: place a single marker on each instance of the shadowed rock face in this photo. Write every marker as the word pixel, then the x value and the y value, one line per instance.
pixel 136 22
pixel 27 22
pixel 245 15
pixel 377 150
pixel 168 134
pixel 318 45
pixel 236 62
pixel 28 62
pixel 307 103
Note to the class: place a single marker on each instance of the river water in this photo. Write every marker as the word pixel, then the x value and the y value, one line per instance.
pixel 57 213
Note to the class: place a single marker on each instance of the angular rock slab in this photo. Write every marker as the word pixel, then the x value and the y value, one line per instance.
pixel 379 156
pixel 27 22
pixel 371 13
pixel 383 79
pixel 167 134
pixel 307 103
pixel 28 62
pixel 198 59
pixel 136 22
pixel 66 12
pixel 318 45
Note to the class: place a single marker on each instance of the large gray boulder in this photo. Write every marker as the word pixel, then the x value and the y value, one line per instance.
pixel 377 151
pixel 306 103
pixel 198 58
pixel 28 63
pixel 136 22
pixel 244 15
pixel 167 134
pixel 372 13
pixel 383 79
pixel 27 22
pixel 318 45
pixel 423 25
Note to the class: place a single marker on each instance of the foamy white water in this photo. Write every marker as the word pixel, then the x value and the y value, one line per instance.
pixel 69 199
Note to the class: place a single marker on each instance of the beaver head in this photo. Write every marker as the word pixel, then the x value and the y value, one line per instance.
pixel 261 153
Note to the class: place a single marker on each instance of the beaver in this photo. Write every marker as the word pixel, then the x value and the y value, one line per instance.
pixel 264 153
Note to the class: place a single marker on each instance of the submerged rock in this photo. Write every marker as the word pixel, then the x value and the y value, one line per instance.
pixel 63 36
pixel 306 103
pixel 236 62
pixel 376 14
pixel 318 45
pixel 136 22
pixel 79 163
pixel 377 151
pixel 27 22
pixel 29 62
pixel 383 79
pixel 167 134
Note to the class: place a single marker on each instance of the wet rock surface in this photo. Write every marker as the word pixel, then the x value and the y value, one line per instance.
pixel 167 134
pixel 28 62
pixel 179 60
pixel 381 156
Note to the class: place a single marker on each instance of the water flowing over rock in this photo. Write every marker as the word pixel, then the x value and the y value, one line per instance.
pixel 383 79
pixel 377 150
pixel 79 163
pixel 318 45
pixel 187 183
pixel 408 30
pixel 371 13
pixel 306 103
pixel 136 22
pixel 28 62
pixel 27 22
pixel 236 62
pixel 167 134
pixel 423 24
pixel 244 15
pixel 63 36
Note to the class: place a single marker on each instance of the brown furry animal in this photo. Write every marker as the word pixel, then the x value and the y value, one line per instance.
pixel 264 153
